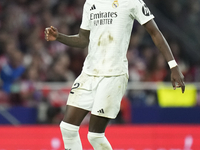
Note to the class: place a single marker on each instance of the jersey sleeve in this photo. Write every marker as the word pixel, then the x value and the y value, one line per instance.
pixel 141 12
pixel 85 18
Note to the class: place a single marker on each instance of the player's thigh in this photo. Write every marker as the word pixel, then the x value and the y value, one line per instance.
pixel 98 124
pixel 81 95
pixel 109 95
pixel 74 115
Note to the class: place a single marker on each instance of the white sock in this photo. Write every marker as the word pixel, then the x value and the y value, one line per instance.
pixel 99 141
pixel 70 136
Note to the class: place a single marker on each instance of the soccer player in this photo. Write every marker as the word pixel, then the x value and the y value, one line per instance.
pixel 106 29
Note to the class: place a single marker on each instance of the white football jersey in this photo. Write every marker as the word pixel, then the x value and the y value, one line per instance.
pixel 110 23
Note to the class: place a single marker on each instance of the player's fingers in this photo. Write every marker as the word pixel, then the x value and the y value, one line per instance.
pixel 53 28
pixel 182 86
pixel 46 37
pixel 47 30
pixel 46 34
pixel 173 84
pixel 178 85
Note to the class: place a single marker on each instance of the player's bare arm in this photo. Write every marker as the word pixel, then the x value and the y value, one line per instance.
pixel 80 40
pixel 160 42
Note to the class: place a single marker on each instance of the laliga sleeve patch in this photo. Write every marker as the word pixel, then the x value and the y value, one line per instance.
pixel 145 10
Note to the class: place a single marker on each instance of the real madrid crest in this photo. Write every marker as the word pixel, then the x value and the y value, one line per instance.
pixel 115 4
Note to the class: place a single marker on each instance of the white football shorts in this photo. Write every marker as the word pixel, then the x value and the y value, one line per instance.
pixel 101 95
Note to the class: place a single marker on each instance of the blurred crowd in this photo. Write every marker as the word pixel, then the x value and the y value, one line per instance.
pixel 26 57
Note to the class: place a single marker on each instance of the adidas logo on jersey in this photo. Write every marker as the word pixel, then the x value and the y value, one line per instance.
pixel 93 7
pixel 101 111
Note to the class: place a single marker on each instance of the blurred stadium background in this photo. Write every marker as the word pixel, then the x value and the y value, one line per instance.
pixel 36 76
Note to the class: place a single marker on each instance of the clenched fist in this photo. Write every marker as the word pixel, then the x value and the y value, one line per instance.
pixel 51 33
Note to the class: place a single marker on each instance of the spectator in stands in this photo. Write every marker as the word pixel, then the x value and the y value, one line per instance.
pixel 11 74
pixel 59 71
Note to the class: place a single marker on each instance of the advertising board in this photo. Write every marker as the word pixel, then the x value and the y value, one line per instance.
pixel 133 137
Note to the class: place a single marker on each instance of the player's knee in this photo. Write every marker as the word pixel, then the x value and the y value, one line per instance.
pixel 98 141
pixel 91 137
pixel 69 131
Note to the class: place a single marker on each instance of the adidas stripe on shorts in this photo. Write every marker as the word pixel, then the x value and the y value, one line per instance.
pixel 101 95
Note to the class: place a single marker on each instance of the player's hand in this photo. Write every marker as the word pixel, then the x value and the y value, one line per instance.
pixel 177 79
pixel 51 33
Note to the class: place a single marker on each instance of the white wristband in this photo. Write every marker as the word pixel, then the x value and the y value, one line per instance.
pixel 172 64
